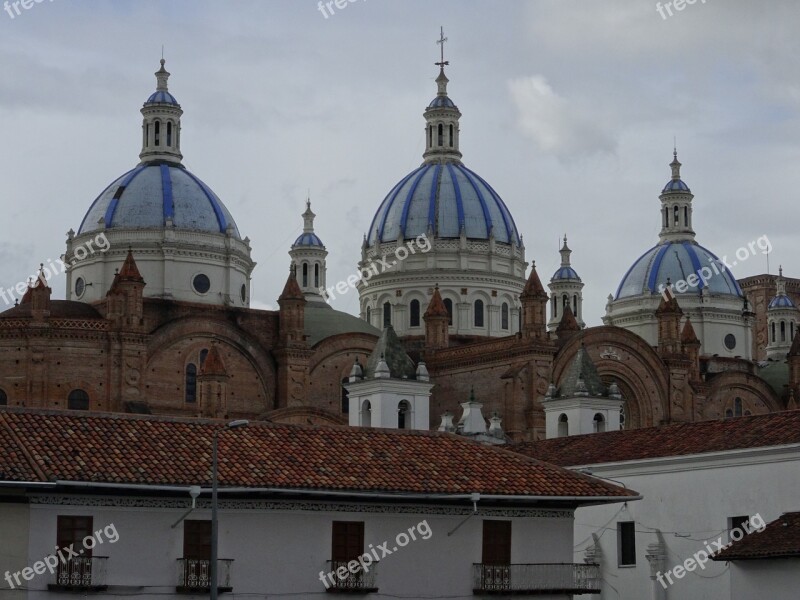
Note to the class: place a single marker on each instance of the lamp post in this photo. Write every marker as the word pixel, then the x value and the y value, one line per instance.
pixel 213 565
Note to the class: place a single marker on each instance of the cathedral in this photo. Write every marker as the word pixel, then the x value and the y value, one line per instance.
pixel 159 322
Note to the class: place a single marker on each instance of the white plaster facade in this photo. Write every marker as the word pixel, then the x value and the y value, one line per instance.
pixel 690 500
pixel 279 548
pixel 379 403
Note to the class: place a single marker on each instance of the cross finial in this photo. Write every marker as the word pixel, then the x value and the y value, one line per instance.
pixel 441 42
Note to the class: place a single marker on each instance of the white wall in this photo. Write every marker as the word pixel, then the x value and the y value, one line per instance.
pixel 777 579
pixel 693 496
pixel 279 550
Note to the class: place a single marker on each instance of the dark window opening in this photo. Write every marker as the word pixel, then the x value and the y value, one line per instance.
pixel 496 543
pixel 448 304
pixel 316 276
pixel 451 136
pixel 190 394
pixel 478 313
pixel 78 400
pixel 404 415
pixel 626 543
pixel 305 275
pixel 414 316
pixel 387 314
pixel 441 135
pixel 504 316
pixel 3 397
pixel 157 133
pixel 348 541
pixel 169 134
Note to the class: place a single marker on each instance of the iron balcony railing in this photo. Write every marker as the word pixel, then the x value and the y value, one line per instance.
pixel 81 573
pixel 352 582
pixel 195 574
pixel 558 578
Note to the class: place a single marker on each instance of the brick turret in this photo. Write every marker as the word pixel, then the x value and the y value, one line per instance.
pixel 534 308
pixel 437 321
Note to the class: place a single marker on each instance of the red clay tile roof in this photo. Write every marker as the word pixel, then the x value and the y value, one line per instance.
pixel 93 447
pixel 59 309
pixel 780 539
pixel 774 429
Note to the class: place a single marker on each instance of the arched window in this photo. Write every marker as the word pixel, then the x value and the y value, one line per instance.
pixel 190 393
pixel 686 216
pixel 478 313
pixel 555 308
pixel 666 217
pixel 622 417
pixel 791 331
pixel 430 136
pixel 504 316
pixel 676 215
pixel 773 331
pixel 414 316
pixel 563 426
pixel 729 414
pixel 369 315
pixel 157 128
pixel 305 275
pixel 366 414
pixel 404 415
pixel 387 314
pixel 169 134
pixel 316 275
pixel 203 355
pixel 441 134
pixel 3 397
pixel 599 423
pixel 737 407
pixel 783 331
pixel 575 304
pixel 146 134
pixel 78 400
pixel 564 300
pixel 448 304
pixel 451 136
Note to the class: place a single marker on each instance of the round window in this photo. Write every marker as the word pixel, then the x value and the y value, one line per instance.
pixel 730 341
pixel 201 283
pixel 243 293
pixel 80 287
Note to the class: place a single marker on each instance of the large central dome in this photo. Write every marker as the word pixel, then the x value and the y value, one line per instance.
pixel 443 198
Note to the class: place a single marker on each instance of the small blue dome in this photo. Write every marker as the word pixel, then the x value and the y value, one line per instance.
pixel 676 185
pixel 441 102
pixel 445 198
pixel 145 197
pixel 162 98
pixel 308 239
pixel 565 273
pixel 677 261
pixel 782 302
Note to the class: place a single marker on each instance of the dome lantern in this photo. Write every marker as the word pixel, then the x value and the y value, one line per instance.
pixel 676 206
pixel 441 119
pixel 161 125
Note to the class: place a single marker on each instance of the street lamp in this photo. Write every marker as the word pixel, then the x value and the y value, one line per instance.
pixel 213 565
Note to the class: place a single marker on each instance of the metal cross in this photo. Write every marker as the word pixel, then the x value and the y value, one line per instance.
pixel 441 42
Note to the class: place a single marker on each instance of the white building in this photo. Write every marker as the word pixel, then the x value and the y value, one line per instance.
pixel 446 517
pixel 699 481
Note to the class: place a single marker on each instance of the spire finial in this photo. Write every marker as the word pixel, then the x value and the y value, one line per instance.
pixel 440 42
pixel 675 165
pixel 780 270
pixel 162 75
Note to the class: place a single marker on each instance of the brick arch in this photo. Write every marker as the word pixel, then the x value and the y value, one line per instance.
pixel 332 360
pixel 303 415
pixel 254 356
pixel 626 358
pixel 757 395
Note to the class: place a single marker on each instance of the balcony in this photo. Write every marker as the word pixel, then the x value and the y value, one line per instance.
pixel 352 583
pixel 194 575
pixel 557 578
pixel 81 574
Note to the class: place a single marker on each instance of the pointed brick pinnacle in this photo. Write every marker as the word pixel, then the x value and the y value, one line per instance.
pixel 214 365
pixel 291 290
pixel 534 287
pixel 436 307
pixel 568 321
pixel 688 335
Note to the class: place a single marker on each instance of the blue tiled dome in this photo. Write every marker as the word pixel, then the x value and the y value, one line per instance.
pixel 565 273
pixel 441 102
pixel 146 196
pixel 676 261
pixel 676 185
pixel 162 98
pixel 443 197
pixel 782 302
pixel 308 239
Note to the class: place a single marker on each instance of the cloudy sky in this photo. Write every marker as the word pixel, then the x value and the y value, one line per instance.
pixel 570 108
